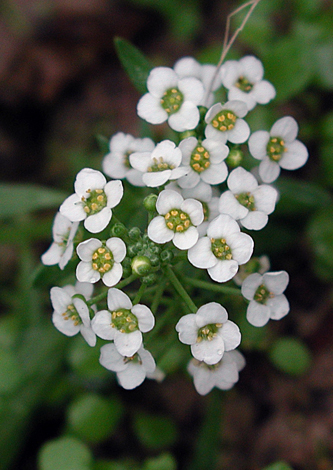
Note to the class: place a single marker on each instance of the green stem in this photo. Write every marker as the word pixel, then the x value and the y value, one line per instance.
pixel 213 287
pixel 180 289
pixel 157 297
pixel 104 294
pixel 139 294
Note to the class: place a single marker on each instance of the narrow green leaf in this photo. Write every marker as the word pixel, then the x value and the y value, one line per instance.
pixel 155 431
pixel 65 453
pixel 134 62
pixel 19 199
pixel 278 466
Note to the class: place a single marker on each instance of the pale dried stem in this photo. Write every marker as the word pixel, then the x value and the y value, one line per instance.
pixel 227 43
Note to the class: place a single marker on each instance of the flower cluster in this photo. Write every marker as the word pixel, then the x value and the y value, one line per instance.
pixel 202 205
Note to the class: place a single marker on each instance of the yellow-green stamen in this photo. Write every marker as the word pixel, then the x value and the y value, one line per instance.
pixel 172 100
pixel 102 260
pixel 220 249
pixel 224 120
pixel 95 202
pixel 200 159
pixel 275 148
pixel 177 220
pixel 124 320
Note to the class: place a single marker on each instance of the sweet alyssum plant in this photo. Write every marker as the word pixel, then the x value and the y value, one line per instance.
pixel 198 208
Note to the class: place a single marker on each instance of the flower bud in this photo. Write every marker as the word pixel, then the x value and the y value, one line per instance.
pixel 150 279
pixel 166 256
pixel 141 265
pixel 149 202
pixel 134 233
pixel 234 158
pixel 118 230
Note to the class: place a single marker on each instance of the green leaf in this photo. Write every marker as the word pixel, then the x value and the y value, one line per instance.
pixel 155 432
pixel 10 372
pixel 84 361
pixel 17 199
pixel 65 453
pixel 94 418
pixel 134 62
pixel 103 143
pixel 290 355
pixel 278 466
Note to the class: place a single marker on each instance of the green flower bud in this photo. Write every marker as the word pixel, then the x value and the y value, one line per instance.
pixel 234 158
pixel 149 202
pixel 118 230
pixel 154 260
pixel 134 233
pixel 166 256
pixel 141 265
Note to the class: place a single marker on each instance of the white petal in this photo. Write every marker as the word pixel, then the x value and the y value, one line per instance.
pixel 140 160
pixel 215 174
pixel 268 170
pixel 101 325
pixel 114 191
pixel 192 89
pixel 186 118
pixel 132 376
pixel 53 254
pixel 230 334
pixel 88 179
pixel 88 335
pixel 72 208
pixel 279 307
pixel 241 245
pixel 111 359
pixel 252 68
pixel 223 271
pixel 200 255
pixel 186 240
pixel 241 181
pixel 160 80
pixel 211 313
pixel 230 72
pixel 128 343
pixel 112 277
pixel 257 314
pixel 258 144
pixel 82 310
pixel 255 220
pixel 263 92
pixel 265 198
pixel 190 180
pixel 221 226
pixel 250 285
pixel 208 351
pixel 60 299
pixel 187 329
pixel 276 282
pixel 118 248
pixel 145 317
pixel 168 200
pixel 236 106
pixel 203 378
pixel 228 204
pixel 149 108
pixel 194 209
pixel 97 222
pixel 285 128
pixel 85 273
pixel 240 132
pixel 86 249
pixel 158 232
pixel 156 178
pixel 66 327
pixel 295 156
pixel 211 113
pixel 118 299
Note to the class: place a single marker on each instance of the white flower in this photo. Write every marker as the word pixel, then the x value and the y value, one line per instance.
pixel 204 193
pixel 61 250
pixel 222 250
pixel 223 375
pixel 71 314
pixel 225 122
pixel 171 98
pixel 189 67
pixel 177 220
pixel 265 293
pixel 131 371
pixel 278 149
pixel 208 332
pixel 101 260
pixel 204 161
pixel 244 80
pixel 93 200
pixel 160 165
pixel 116 164
pixel 123 322
pixel 246 201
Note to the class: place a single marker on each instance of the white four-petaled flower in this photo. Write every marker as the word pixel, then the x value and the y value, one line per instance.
pixel 171 99
pixel 177 220
pixel 116 163
pixel 160 165
pixel 101 260
pixel 247 201
pixel 244 80
pixel 265 293
pixel 208 332
pixel 223 375
pixel 131 371
pixel 123 323
pixel 71 313
pixel 222 250
pixel 278 149
pixel 203 161
pixel 61 249
pixel 93 200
